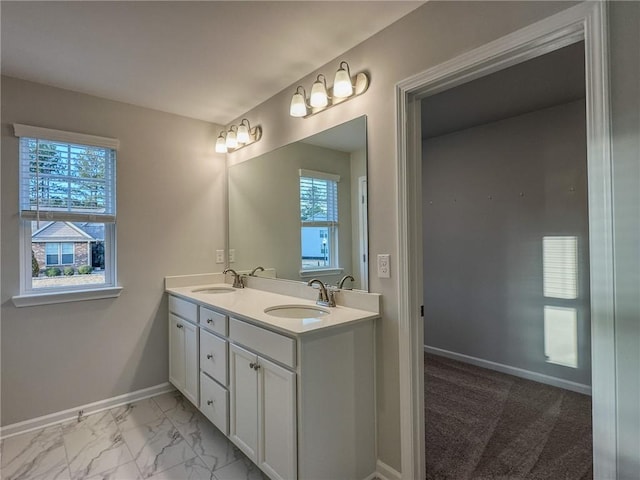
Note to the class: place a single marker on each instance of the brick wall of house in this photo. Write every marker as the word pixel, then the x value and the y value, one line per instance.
pixel 81 256
pixel 38 250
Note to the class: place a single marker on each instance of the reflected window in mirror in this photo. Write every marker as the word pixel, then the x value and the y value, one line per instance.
pixel 318 220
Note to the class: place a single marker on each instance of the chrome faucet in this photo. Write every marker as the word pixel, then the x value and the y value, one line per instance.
pixel 237 280
pixel 344 279
pixel 325 297
pixel 257 269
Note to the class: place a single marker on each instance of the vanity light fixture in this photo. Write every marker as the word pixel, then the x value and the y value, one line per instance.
pixel 237 137
pixel 344 88
pixel 298 106
pixel 319 96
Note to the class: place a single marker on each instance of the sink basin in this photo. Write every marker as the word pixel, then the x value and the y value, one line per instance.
pixel 296 311
pixel 210 290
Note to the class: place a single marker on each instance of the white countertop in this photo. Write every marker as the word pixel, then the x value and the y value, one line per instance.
pixel 250 303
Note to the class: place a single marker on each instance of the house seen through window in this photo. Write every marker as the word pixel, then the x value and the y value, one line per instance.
pixel 67 209
pixel 319 220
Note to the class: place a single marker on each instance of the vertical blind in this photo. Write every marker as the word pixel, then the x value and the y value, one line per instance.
pixel 66 181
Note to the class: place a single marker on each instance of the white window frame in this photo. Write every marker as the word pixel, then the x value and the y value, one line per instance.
pixel 43 296
pixel 333 230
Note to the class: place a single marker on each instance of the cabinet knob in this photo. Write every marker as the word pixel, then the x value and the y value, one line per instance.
pixel 178 325
pixel 209 320
pixel 252 365
pixel 209 356
pixel 256 366
pixel 209 402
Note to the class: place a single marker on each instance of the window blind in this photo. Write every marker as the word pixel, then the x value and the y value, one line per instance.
pixel 318 201
pixel 66 181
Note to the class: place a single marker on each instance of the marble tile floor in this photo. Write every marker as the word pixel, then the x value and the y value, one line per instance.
pixel 159 438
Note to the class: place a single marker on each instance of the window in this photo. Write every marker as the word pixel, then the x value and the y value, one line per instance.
pixel 67 211
pixel 59 253
pixel 319 220
pixel 560 287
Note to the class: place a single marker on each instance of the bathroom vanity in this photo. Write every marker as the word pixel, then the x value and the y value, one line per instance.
pixel 289 382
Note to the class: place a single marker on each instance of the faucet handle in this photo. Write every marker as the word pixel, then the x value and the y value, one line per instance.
pixel 331 296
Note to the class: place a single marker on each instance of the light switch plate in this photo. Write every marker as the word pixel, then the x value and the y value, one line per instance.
pixel 232 255
pixel 219 256
pixel 384 265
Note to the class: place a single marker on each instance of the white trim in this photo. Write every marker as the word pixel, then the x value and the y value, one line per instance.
pixel 33 299
pixel 30 131
pixel 587 21
pixel 89 408
pixel 385 472
pixel 515 371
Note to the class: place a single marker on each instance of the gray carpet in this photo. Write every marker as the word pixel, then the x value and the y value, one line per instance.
pixel 482 424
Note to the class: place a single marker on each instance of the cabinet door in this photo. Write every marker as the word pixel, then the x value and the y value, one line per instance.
pixel 243 389
pixel 176 352
pixel 191 373
pixel 277 454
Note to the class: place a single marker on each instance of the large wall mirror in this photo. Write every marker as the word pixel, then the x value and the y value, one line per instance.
pixel 301 211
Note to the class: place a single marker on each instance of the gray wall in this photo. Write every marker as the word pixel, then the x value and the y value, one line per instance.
pixel 264 208
pixel 483 267
pixel 171 205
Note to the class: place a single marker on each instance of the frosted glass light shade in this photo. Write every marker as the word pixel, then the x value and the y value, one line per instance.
pixel 319 96
pixel 232 141
pixel 221 145
pixel 342 86
pixel 298 105
pixel 243 134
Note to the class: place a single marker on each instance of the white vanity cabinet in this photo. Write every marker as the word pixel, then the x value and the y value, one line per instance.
pixel 300 405
pixel 263 412
pixel 183 348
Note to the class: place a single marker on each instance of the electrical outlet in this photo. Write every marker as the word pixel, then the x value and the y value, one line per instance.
pixel 232 255
pixel 384 265
pixel 219 256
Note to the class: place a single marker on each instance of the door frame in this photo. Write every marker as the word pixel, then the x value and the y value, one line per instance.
pixel 586 21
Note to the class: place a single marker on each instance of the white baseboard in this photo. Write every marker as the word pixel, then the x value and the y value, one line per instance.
pixel 385 472
pixel 59 417
pixel 516 372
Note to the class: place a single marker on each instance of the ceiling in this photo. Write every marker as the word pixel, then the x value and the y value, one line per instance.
pixel 552 79
pixel 207 60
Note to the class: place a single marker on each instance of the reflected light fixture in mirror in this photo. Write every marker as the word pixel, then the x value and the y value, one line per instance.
pixel 344 88
pixel 237 137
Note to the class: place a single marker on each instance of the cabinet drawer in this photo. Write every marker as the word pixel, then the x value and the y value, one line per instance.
pixel 214 321
pixel 213 356
pixel 214 403
pixel 264 342
pixel 183 308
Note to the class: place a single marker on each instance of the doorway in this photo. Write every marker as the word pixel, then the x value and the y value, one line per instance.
pixel 584 22
pixel 506 273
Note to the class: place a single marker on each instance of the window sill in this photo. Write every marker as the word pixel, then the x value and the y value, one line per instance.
pixel 33 299
pixel 320 272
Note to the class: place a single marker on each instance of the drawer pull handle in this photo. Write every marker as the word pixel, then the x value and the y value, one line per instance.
pixel 209 356
pixel 209 402
pixel 209 320
pixel 178 325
